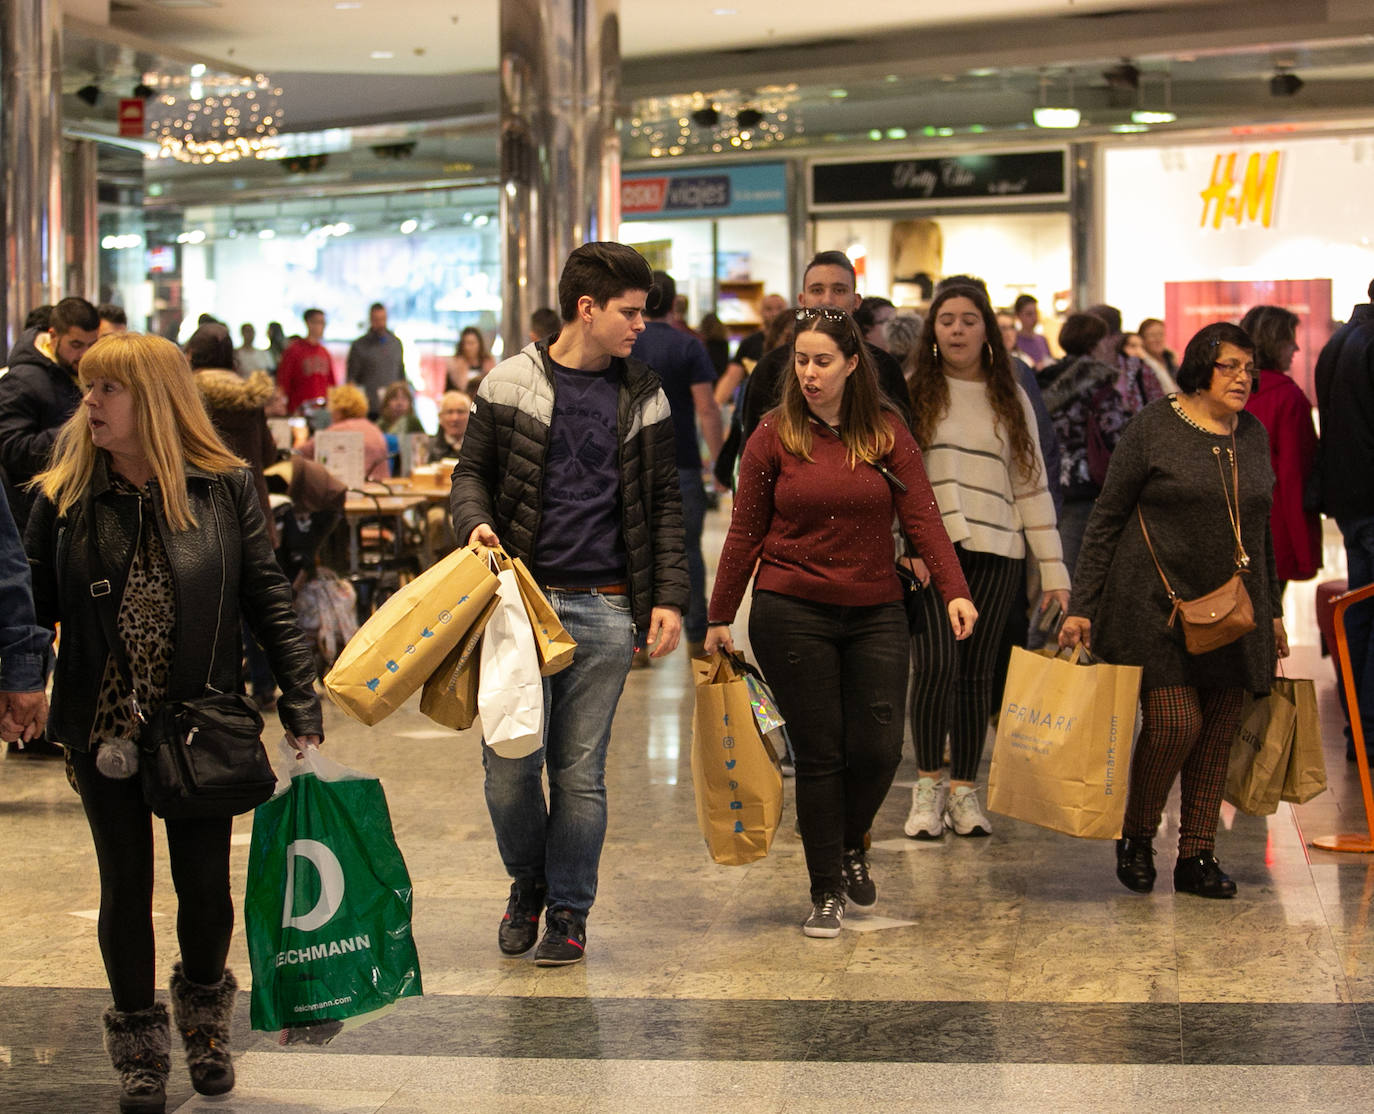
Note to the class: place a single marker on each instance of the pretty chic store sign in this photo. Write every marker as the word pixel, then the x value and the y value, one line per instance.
pixel 996 179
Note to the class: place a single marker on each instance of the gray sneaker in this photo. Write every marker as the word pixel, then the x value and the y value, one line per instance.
pixel 963 815
pixel 827 917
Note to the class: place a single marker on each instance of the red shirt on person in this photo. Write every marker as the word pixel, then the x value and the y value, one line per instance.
pixel 306 372
pixel 1282 408
pixel 822 531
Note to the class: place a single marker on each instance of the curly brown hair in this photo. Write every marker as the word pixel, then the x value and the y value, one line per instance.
pixel 930 392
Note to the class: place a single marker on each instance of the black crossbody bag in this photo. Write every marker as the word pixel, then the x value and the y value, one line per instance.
pixel 197 758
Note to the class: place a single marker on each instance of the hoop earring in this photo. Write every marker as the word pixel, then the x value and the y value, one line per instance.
pixel 988 345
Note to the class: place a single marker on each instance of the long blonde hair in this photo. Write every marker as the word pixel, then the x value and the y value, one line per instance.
pixel 863 426
pixel 169 416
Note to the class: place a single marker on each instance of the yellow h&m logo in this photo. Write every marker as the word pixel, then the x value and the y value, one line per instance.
pixel 1255 201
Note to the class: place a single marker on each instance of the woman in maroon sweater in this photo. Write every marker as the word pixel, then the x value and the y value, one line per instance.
pixel 819 484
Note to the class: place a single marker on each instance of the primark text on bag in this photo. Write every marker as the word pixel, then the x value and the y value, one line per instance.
pixel 1065 729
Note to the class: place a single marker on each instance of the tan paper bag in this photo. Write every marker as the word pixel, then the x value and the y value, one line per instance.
pixel 406 639
pixel 1306 774
pixel 554 645
pixel 450 695
pixel 1259 754
pixel 735 773
pixel 1064 736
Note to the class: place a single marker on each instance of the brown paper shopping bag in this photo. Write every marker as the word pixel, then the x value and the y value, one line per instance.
pixel 1259 754
pixel 405 640
pixel 554 645
pixel 1063 749
pixel 450 695
pixel 1306 774
pixel 734 771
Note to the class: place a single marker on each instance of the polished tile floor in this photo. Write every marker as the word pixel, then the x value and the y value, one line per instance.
pixel 1011 973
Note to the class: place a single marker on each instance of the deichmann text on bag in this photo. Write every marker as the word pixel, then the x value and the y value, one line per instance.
pixel 328 908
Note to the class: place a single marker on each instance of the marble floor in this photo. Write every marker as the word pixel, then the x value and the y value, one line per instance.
pixel 1009 973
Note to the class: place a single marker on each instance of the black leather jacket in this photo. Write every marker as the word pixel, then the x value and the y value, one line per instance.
pixel 220 568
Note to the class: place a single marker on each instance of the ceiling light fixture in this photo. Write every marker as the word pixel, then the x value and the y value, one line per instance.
pixel 213 118
pixel 715 121
pixel 1057 115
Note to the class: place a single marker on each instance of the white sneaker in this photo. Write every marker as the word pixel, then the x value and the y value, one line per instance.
pixel 963 814
pixel 926 818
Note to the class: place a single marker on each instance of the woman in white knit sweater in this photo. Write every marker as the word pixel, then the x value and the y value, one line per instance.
pixel 976 428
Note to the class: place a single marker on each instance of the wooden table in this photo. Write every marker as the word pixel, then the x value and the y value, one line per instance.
pixel 362 506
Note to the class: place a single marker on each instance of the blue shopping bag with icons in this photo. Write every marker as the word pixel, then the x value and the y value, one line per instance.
pixel 328 907
pixel 735 772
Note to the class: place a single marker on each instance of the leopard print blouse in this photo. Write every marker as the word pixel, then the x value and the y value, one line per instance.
pixel 146 624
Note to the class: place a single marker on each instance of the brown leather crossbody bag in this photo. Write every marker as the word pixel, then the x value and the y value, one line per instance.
pixel 1223 614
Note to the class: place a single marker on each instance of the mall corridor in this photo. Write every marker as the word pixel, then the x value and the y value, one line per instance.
pixel 1010 973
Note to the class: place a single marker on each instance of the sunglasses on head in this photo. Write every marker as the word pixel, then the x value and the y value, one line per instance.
pixel 829 313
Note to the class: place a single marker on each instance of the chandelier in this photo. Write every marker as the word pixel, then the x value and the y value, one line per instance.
pixel 725 120
pixel 208 118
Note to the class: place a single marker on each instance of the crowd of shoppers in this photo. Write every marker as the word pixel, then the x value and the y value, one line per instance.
pixel 1112 480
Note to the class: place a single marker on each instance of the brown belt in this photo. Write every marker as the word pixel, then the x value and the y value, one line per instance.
pixel 620 589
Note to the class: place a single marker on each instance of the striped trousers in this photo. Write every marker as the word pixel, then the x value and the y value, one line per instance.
pixel 952 682
pixel 1184 731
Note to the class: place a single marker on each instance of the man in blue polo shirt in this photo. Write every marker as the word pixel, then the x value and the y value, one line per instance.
pixel 685 368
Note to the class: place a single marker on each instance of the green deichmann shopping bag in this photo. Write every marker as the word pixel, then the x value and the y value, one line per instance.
pixel 327 912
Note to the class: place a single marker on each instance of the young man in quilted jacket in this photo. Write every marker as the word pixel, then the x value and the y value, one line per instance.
pixel 569 464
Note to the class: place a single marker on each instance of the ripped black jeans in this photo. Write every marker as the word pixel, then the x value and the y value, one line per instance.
pixel 839 675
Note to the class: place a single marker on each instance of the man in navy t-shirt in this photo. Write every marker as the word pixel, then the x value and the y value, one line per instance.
pixel 569 463
pixel 685 368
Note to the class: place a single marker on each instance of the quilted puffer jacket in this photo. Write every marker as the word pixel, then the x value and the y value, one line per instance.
pixel 221 567
pixel 500 475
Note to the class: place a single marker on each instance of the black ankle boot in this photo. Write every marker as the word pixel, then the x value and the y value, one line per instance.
pixel 1202 875
pixel 1135 864
pixel 139 1045
pixel 203 1014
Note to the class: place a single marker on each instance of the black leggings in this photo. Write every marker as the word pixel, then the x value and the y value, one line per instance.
pixel 839 676
pixel 121 825
pixel 952 682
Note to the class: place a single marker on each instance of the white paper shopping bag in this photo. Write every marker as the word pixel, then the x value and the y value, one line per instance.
pixel 510 692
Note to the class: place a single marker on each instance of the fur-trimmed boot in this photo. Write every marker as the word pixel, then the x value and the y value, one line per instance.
pixel 140 1047
pixel 202 1014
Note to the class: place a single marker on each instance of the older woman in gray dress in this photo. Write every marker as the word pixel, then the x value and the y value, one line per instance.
pixel 1171 470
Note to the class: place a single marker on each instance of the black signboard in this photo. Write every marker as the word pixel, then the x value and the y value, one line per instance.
pixel 1023 176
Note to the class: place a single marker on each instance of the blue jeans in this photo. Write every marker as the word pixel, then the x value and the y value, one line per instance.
pixel 558 841
pixel 1359 619
pixel 693 516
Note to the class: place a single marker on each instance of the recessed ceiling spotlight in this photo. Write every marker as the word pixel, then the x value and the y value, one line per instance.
pixel 347 6
pixel 1056 117
pixel 382 55
pixel 839 94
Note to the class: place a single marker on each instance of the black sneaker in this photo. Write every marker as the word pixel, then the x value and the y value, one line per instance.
pixel 565 939
pixel 860 892
pixel 520 925
pixel 827 917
